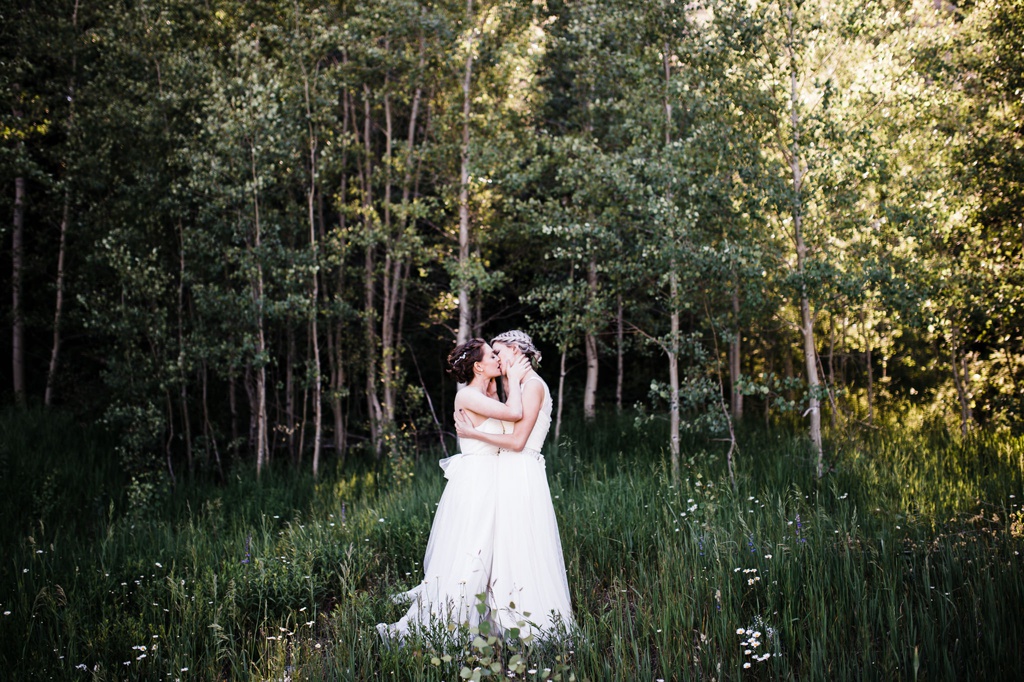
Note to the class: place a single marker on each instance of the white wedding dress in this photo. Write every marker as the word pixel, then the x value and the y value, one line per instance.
pixel 528 579
pixel 494 533
pixel 457 563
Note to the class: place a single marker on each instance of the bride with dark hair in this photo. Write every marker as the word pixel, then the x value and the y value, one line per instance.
pixel 457 562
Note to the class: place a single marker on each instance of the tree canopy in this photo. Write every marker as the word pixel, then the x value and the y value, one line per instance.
pixel 247 231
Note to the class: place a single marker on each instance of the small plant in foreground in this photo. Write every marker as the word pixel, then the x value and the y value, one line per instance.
pixel 752 643
pixel 1017 524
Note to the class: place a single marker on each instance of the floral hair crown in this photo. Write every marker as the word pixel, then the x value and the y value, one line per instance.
pixel 522 340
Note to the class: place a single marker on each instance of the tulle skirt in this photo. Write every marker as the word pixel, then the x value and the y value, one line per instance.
pixel 494 534
pixel 460 551
pixel 528 585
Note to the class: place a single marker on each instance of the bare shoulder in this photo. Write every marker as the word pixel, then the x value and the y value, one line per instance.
pixel 460 395
pixel 534 386
pixel 468 396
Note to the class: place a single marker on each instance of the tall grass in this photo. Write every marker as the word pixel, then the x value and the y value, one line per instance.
pixel 903 562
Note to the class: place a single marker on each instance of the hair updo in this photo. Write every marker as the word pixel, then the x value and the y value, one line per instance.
pixel 460 360
pixel 520 340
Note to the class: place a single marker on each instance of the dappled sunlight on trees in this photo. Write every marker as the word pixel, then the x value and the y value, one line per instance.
pixel 247 232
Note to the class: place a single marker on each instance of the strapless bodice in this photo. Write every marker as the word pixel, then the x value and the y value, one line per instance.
pixel 471 446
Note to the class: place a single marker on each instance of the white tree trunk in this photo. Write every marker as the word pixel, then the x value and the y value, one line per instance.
pixel 58 314
pixel 289 393
pixel 869 367
pixel 17 320
pixel 735 358
pixel 336 332
pixel 813 383
pixel 561 394
pixel 314 294
pixel 590 345
pixel 619 355
pixel 314 333
pixel 262 451
pixel 673 374
pixel 51 373
pixel 959 380
pixel 369 277
pixel 182 379
pixel 806 319
pixel 391 274
pixel 673 279
pixel 465 314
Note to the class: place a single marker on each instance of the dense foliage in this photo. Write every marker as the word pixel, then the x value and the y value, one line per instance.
pixel 241 231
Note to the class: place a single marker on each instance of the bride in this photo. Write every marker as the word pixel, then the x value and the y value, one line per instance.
pixel 457 564
pixel 528 582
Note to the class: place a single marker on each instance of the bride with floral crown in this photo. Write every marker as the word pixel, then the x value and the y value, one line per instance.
pixel 529 589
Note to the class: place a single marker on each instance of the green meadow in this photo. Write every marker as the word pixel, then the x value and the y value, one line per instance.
pixel 902 562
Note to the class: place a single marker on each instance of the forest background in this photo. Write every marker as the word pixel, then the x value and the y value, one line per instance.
pixel 253 231
pixel 245 235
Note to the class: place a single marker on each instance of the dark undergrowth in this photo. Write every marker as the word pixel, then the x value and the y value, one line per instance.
pixel 902 562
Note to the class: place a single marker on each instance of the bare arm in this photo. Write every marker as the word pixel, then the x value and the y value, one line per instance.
pixel 533 399
pixel 474 402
